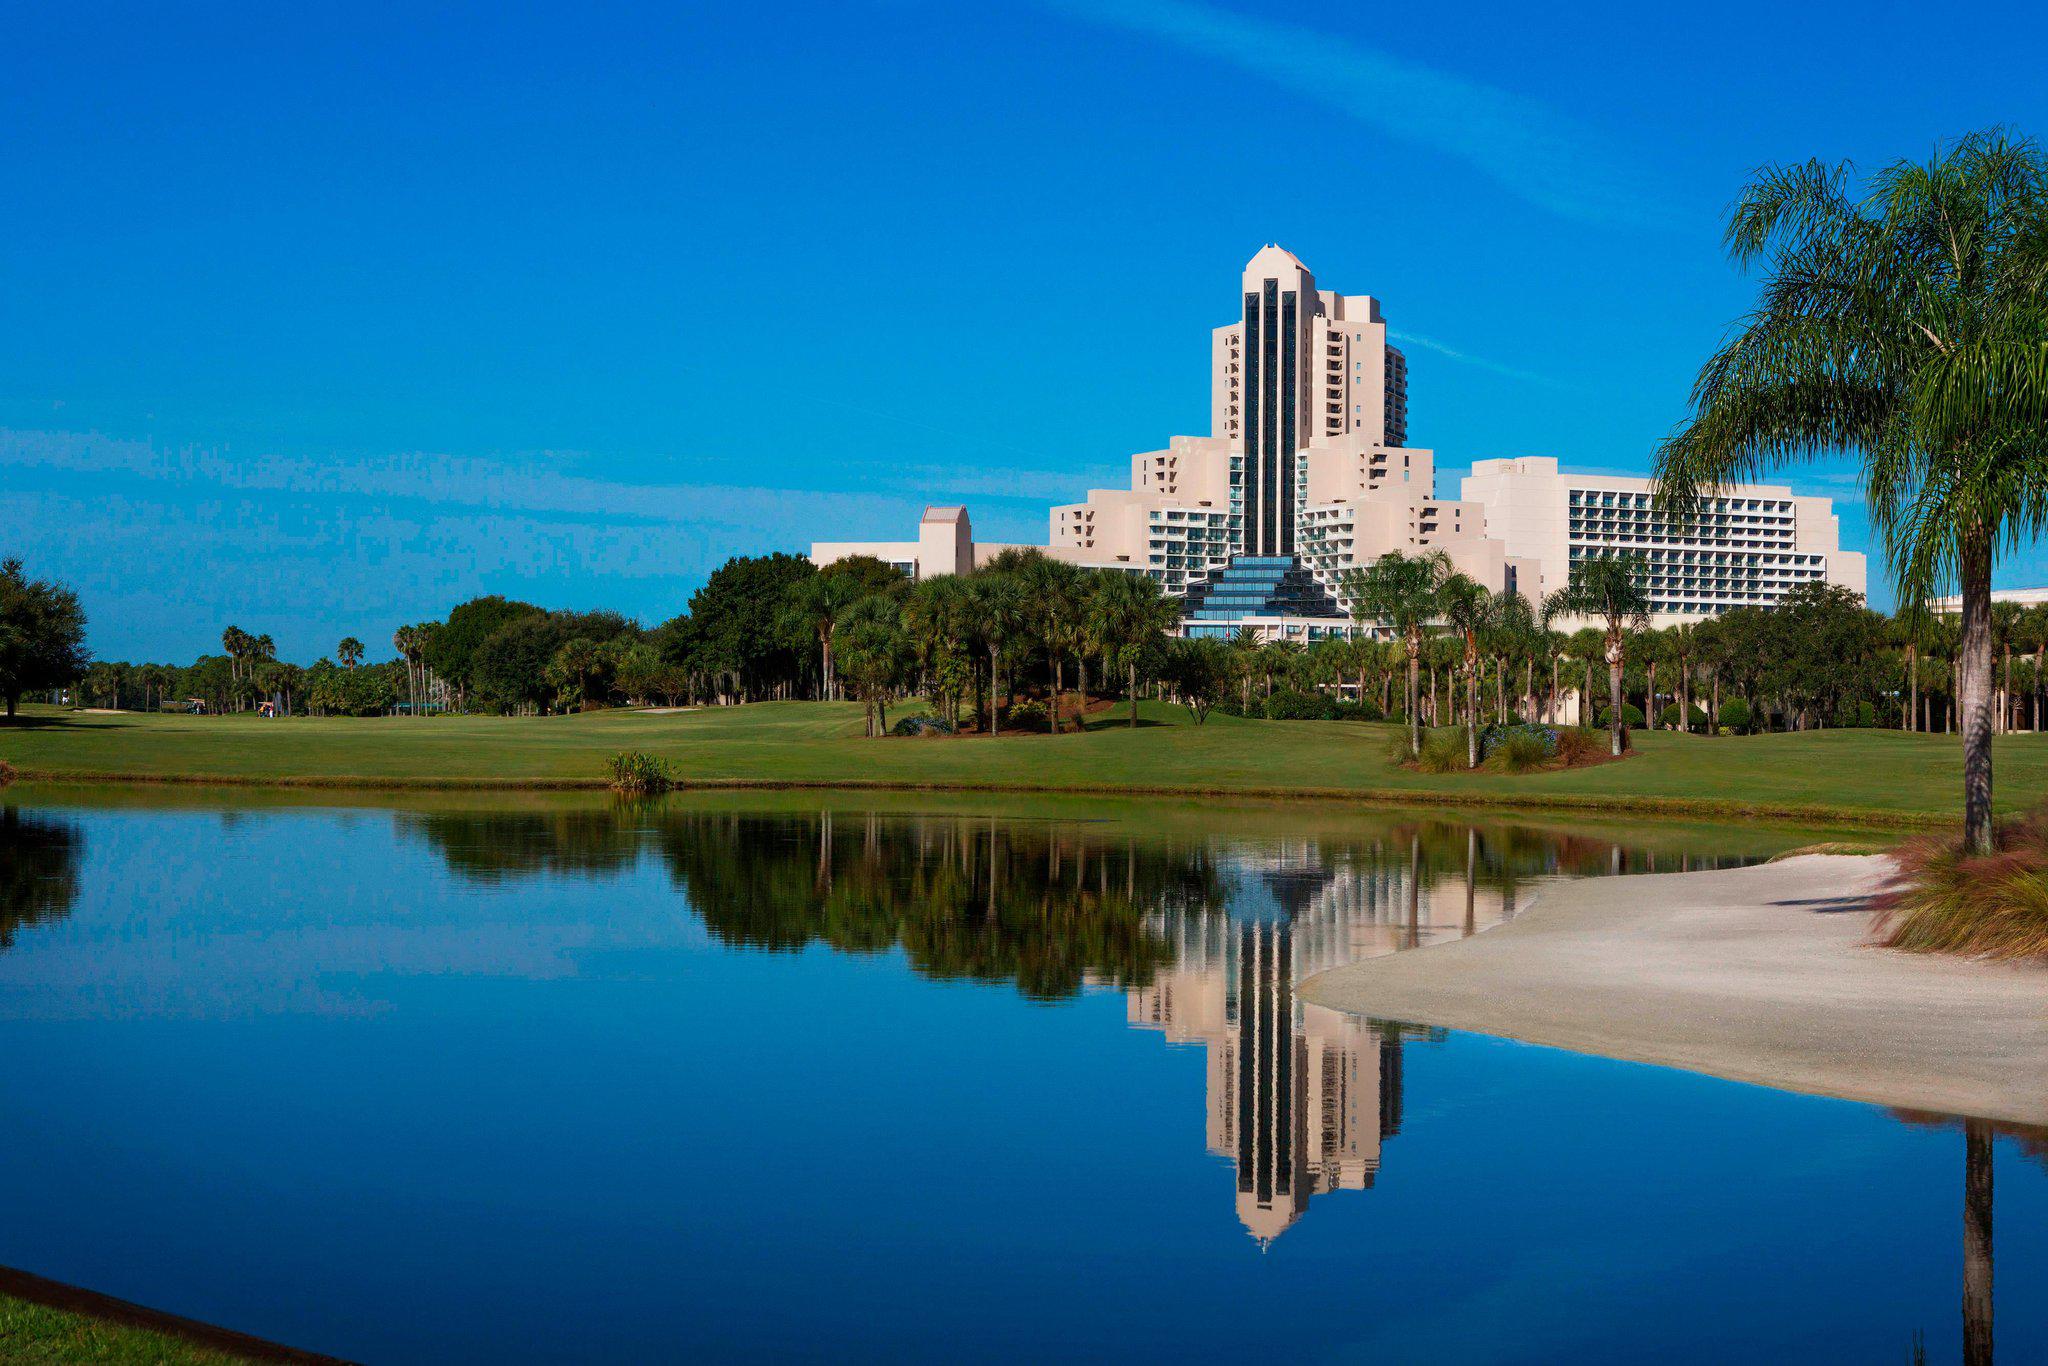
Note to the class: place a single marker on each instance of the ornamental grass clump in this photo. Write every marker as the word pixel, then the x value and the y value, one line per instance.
pixel 6 773
pixel 1519 749
pixel 639 774
pixel 1944 900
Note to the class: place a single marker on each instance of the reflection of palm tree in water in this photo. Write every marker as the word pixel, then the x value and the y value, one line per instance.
pixel 1976 1243
pixel 39 861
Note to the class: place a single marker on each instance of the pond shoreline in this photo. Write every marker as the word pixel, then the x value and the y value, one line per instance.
pixel 1761 974
pixel 1790 813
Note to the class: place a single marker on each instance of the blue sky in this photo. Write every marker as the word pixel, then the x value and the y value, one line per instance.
pixel 317 320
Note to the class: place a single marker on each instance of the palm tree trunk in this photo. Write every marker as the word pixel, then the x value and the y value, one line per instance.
pixel 1550 707
pixel 1472 715
pixel 1973 691
pixel 1586 697
pixel 1131 687
pixel 1614 695
pixel 1913 684
pixel 1057 667
pixel 1650 697
pixel 1414 707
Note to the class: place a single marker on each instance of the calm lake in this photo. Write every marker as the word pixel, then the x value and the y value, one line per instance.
pixel 845 1078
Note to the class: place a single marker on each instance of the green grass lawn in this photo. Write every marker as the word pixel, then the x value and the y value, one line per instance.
pixel 36 1335
pixel 1837 774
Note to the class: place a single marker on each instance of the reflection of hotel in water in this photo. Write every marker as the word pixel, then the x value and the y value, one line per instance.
pixel 1300 1097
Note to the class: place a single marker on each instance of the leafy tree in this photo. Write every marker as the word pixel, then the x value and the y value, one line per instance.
pixel 1907 328
pixel 452 648
pixel 42 635
pixel 743 633
pixel 1200 673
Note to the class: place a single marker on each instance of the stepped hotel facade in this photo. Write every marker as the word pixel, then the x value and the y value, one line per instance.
pixel 1307 474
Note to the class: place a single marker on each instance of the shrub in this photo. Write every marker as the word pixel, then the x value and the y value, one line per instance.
pixel 1576 746
pixel 1521 749
pixel 1443 750
pixel 1735 715
pixel 1631 715
pixel 923 725
pixel 1029 716
pixel 635 772
pixel 6 773
pixel 1669 716
pixel 1358 711
pixel 1942 900
pixel 1299 706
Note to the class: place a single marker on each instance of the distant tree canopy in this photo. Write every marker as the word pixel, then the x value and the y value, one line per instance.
pixel 42 635
pixel 1015 643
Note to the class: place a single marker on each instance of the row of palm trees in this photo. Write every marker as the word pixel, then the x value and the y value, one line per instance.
pixel 1414 594
pixel 962 637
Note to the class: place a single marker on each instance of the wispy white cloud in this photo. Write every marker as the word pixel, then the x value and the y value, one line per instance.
pixel 1463 358
pixel 1528 148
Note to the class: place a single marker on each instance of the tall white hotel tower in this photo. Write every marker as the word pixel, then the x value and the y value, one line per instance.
pixel 1306 476
pixel 1303 365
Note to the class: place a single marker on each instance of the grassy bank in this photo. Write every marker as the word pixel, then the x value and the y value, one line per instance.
pixel 1867 776
pixel 48 1323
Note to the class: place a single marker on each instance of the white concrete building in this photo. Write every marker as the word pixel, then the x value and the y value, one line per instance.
pixel 1305 477
pixel 1747 547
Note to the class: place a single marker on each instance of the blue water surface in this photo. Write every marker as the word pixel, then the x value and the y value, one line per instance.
pixel 700 1083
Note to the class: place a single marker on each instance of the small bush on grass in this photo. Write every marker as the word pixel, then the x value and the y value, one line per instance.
pixel 1299 706
pixel 1576 746
pixel 1669 717
pixel 1942 900
pixel 923 725
pixel 639 773
pixel 1517 749
pixel 1358 711
pixel 1735 716
pixel 1443 750
pixel 1027 716
pixel 1631 716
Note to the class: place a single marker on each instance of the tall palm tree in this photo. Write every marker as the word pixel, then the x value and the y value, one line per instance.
pixel 1908 328
pixel 1466 607
pixel 349 652
pixel 1055 597
pixel 816 604
pixel 1400 591
pixel 1244 650
pixel 1511 638
pixel 999 622
pixel 1128 616
pixel 1610 591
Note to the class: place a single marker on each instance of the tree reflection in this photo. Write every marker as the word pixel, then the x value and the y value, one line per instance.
pixel 1046 907
pixel 497 846
pixel 39 861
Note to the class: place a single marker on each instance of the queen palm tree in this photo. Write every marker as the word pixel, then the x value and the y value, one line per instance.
pixel 1610 591
pixel 1244 651
pixel 1465 606
pixel 1906 327
pixel 1400 591
pixel 997 613
pixel 1127 618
